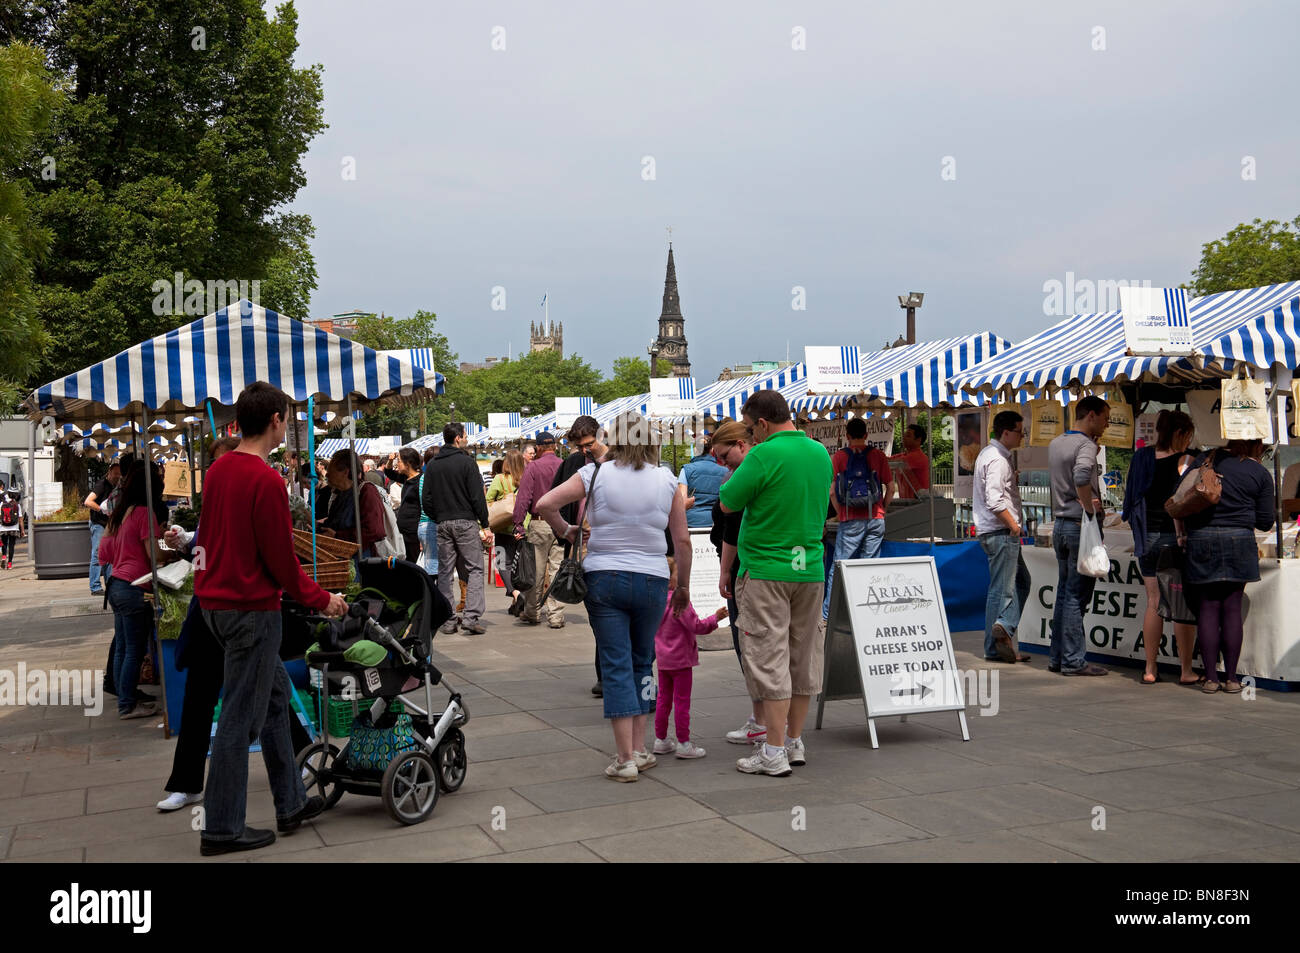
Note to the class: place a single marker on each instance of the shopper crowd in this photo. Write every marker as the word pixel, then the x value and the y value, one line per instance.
pixel 761 487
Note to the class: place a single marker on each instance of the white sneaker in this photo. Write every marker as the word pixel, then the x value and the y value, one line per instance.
pixel 689 749
pixel 644 760
pixel 747 735
pixel 621 770
pixel 794 752
pixel 664 746
pixel 177 800
pixel 760 763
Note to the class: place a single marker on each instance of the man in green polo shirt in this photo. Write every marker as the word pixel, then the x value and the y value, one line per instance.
pixel 783 486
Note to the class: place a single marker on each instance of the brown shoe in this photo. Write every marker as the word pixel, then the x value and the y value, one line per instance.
pixel 1003 645
pixel 1211 688
pixel 1232 688
pixel 141 710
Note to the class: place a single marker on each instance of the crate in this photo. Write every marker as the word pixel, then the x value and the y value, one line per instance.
pixel 342 711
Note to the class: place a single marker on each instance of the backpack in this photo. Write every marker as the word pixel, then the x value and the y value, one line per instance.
pixel 8 512
pixel 858 487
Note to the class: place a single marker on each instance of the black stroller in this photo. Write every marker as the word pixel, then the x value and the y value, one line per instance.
pixel 397 750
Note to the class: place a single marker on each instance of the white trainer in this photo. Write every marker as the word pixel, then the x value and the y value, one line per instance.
pixel 689 749
pixel 621 770
pixel 664 746
pixel 177 800
pixel 777 766
pixel 644 760
pixel 794 752
pixel 751 732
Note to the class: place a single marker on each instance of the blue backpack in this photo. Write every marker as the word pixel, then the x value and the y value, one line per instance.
pixel 858 487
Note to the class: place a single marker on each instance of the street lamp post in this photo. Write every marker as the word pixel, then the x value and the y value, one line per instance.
pixel 909 303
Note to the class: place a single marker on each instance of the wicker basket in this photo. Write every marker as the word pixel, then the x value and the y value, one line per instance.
pixel 327 547
pixel 333 581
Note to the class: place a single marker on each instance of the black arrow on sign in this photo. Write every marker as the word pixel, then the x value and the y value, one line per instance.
pixel 921 690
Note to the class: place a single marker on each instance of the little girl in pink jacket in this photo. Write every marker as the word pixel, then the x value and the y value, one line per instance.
pixel 676 653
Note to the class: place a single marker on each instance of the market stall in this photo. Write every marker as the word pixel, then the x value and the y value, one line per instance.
pixel 1254 331
pixel 200 369
pixel 901 379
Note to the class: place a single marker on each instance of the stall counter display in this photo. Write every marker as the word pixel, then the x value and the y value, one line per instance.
pixel 1112 623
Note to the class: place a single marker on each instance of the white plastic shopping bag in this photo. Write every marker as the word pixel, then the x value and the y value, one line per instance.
pixel 1093 559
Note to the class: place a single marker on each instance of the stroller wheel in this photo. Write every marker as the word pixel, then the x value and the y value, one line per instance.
pixel 410 787
pixel 452 763
pixel 316 763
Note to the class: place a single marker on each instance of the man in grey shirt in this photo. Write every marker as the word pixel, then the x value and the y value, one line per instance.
pixel 1076 490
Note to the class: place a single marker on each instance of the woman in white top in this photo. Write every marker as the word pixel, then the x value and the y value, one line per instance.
pixel 632 501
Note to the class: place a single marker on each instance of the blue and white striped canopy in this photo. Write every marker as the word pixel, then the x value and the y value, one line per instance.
pixel 606 414
pixel 912 376
pixel 380 446
pixel 723 399
pixel 215 357
pixel 1271 338
pixel 421 444
pixel 1088 350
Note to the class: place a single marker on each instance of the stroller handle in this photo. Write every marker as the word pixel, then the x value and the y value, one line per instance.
pixel 381 635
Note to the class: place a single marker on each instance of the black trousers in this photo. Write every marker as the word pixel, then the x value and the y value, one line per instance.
pixel 205 664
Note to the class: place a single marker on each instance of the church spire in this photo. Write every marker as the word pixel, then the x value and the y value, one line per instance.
pixel 670 344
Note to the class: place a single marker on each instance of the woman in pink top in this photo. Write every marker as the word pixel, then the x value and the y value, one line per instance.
pixel 125 546
pixel 676 653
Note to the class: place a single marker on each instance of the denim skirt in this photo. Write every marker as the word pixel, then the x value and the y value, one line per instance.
pixel 1156 543
pixel 1221 554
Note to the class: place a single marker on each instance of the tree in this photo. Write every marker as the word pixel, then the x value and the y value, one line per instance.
pixel 178 142
pixel 1261 253
pixel 532 380
pixel 631 377
pixel 384 333
pixel 27 101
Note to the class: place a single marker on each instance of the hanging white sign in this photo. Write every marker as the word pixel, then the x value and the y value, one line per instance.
pixel 833 370
pixel 672 397
pixel 1156 320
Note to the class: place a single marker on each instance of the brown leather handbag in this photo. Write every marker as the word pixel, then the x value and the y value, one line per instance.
pixel 1200 489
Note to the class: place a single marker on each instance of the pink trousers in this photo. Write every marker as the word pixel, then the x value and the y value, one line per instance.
pixel 674 692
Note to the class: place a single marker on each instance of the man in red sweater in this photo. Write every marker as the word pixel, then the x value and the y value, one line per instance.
pixel 245 560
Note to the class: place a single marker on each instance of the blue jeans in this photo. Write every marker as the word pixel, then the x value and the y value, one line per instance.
pixel 132 626
pixel 1008 585
pixel 625 609
pixel 429 540
pixel 1073 594
pixel 854 539
pixel 255 708
pixel 96 532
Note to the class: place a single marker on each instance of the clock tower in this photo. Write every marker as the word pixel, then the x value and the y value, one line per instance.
pixel 670 345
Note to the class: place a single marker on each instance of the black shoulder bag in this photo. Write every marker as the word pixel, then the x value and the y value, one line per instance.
pixel 569 584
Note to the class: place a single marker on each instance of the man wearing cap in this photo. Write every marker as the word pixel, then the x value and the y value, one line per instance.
pixel 547 551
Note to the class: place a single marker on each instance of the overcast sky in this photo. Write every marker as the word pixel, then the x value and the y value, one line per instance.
pixel 821 168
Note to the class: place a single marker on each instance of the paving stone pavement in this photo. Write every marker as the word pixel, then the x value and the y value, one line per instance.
pixel 1068 770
